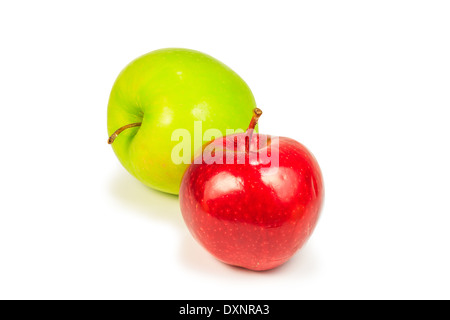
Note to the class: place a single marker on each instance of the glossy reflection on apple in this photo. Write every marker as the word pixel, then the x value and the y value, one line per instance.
pixel 255 213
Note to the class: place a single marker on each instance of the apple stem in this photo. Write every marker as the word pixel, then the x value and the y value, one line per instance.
pixel 119 131
pixel 251 127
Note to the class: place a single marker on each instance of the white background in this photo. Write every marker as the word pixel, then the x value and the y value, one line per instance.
pixel 365 85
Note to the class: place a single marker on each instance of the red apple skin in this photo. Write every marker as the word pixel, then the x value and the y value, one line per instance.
pixel 245 214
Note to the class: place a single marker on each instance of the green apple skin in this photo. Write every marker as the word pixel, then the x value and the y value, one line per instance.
pixel 169 89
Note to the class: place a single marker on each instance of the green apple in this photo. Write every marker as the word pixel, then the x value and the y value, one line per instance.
pixel 166 90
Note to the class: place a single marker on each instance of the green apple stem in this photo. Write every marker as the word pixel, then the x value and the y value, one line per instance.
pixel 119 131
pixel 251 127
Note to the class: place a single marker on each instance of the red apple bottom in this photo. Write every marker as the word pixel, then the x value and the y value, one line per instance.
pixel 253 215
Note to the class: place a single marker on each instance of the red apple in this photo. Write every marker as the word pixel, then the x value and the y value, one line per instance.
pixel 255 213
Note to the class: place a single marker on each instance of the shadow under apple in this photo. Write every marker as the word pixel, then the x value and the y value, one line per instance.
pixel 144 200
pixel 162 206
pixel 302 265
